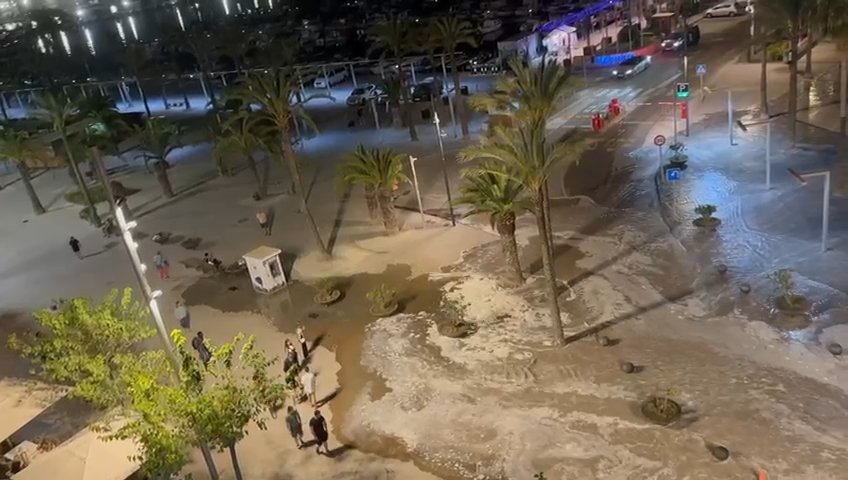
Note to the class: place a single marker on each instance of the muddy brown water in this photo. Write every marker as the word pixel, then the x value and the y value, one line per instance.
pixel 339 327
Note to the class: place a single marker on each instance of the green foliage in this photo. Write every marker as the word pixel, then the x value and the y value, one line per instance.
pixel 159 137
pixel 17 146
pixel 327 285
pixel 785 285
pixel 86 344
pixel 498 195
pixel 706 211
pixel 382 297
pixel 98 194
pixel 89 214
pixel 380 169
pixel 105 128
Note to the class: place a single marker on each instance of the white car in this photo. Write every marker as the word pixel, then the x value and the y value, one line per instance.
pixel 631 67
pixel 722 10
pixel 362 94
pixel 333 76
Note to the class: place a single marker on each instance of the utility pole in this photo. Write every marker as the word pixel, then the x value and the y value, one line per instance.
pixel 444 166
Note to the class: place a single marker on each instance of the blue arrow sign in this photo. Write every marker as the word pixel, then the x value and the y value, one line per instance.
pixel 701 69
pixel 672 174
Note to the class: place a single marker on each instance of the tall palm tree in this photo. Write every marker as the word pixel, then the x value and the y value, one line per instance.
pixel 104 132
pixel 395 38
pixel 379 171
pixel 17 147
pixel 392 86
pixel 524 154
pixel 502 198
pixel 450 32
pixel 276 94
pixel 158 138
pixel 62 113
pixel 138 61
pixel 792 14
pixel 241 135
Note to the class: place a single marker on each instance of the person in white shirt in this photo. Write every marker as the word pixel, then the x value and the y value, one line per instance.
pixel 307 379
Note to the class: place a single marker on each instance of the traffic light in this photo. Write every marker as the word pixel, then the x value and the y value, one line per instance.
pixel 682 90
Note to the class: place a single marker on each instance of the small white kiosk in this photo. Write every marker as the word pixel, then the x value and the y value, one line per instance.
pixel 265 269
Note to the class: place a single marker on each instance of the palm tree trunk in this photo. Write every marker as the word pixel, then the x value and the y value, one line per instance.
pixel 182 87
pixel 505 226
pixel 808 67
pixel 266 175
pixel 204 77
pixel 251 164
pixel 37 207
pixel 546 201
pixel 371 201
pixel 95 219
pixel 547 265
pixel 143 97
pixel 458 99
pixel 104 178
pixel 764 77
pixel 387 209
pixel 793 79
pixel 288 152
pixel 234 459
pixel 161 169
pixel 396 115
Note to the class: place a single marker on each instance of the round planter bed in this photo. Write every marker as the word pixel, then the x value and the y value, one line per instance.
pixel 327 298
pixel 386 311
pixel 661 410
pixel 706 222
pixel 796 304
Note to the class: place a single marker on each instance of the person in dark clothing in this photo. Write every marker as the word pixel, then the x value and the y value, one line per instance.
pixel 319 430
pixel 75 247
pixel 199 343
pixel 295 426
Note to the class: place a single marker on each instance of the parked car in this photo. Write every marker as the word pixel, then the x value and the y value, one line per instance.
pixel 362 94
pixel 427 89
pixel 334 76
pixel 728 9
pixel 631 66
pixel 484 63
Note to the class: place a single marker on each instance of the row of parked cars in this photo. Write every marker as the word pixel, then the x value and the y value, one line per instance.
pixel 422 91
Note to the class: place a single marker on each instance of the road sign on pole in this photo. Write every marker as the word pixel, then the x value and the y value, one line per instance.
pixel 673 174
pixel 682 89
pixel 701 69
pixel 659 140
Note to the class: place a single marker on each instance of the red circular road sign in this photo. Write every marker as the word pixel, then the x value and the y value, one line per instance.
pixel 659 140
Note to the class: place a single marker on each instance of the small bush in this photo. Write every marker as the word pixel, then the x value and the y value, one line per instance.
pixel 706 211
pixel 786 286
pixel 97 192
pixel 382 297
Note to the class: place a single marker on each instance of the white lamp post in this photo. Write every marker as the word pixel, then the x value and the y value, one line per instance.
pixel 412 161
pixel 150 297
pixel 802 179
pixel 444 166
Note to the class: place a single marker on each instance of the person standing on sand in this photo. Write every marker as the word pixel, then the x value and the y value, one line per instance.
pixel 307 379
pixel 262 218
pixel 162 266
pixel 319 430
pixel 75 247
pixel 295 426
pixel 301 337
pixel 181 314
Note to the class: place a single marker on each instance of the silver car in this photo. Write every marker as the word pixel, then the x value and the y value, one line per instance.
pixel 631 67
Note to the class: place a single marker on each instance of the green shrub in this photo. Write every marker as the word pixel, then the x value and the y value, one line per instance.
pixel 382 297
pixel 97 192
pixel 705 211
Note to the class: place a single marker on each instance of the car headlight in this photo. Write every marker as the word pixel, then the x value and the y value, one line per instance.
pixel 628 72
pixel 678 43
pixel 615 72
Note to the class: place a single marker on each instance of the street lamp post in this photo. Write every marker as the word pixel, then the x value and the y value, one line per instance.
pixel 730 116
pixel 150 297
pixel 444 166
pixel 417 191
pixel 802 179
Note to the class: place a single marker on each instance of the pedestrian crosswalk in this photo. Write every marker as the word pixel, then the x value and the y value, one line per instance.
pixel 593 100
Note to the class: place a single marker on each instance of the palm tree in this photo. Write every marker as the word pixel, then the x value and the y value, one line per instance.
pixel 450 33
pixel 392 86
pixel 379 171
pixel 104 132
pixel 159 137
pixel 791 13
pixel 395 37
pixel 523 153
pixel 62 113
pixel 241 135
pixel 138 61
pixel 502 198
pixel 276 94
pixel 17 147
